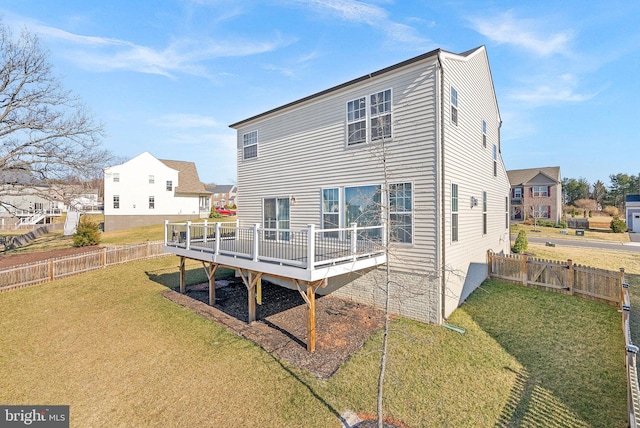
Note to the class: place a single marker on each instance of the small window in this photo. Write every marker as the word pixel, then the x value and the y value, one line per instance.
pixel 381 115
pixel 152 202
pixel 152 179
pixel 357 121
pixel 517 192
pixel 495 160
pixel 506 212
pixel 484 134
pixel 116 177
pixel 484 213
pixel 169 185
pixel 116 202
pixel 454 212
pixel 454 106
pixel 250 145
pixel 401 212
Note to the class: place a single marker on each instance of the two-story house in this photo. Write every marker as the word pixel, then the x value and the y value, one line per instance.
pixel 222 195
pixel 146 190
pixel 406 158
pixel 536 193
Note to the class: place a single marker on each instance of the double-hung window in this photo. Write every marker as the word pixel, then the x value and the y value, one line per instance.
pixel 250 145
pixel 381 115
pixel 357 121
pixel 169 185
pixel 116 177
pixel 484 213
pixel 331 210
pixel 454 212
pixel 152 179
pixel 495 160
pixel 540 191
pixel 152 202
pixel 454 106
pixel 116 202
pixel 401 212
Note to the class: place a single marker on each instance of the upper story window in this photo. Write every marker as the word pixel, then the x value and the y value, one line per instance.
pixel 484 134
pixel 540 191
pixel 495 160
pixel 484 213
pixel 152 179
pixel 116 177
pixel 169 185
pixel 369 118
pixel 506 212
pixel 517 192
pixel 357 121
pixel 381 115
pixel 250 145
pixel 454 106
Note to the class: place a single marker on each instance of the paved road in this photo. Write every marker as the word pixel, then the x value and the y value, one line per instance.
pixel 633 246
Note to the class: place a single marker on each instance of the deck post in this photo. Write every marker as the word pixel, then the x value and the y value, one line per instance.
pixel 311 318
pixel 188 234
pixel 354 239
pixel 211 273
pixel 256 241
pixel 166 231
pixel 216 249
pixel 204 235
pixel 311 246
pixel 251 293
pixel 183 286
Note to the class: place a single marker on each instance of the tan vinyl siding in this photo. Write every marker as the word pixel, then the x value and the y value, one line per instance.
pixel 302 150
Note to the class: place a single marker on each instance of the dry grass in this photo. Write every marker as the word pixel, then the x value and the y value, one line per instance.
pixel 552 232
pixel 109 345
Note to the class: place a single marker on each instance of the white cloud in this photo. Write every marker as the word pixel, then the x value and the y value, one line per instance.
pixel 560 89
pixel 180 56
pixel 528 34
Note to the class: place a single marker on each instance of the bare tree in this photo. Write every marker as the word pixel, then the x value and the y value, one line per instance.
pixel 46 133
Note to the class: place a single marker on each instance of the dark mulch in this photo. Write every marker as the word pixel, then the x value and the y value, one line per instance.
pixel 342 326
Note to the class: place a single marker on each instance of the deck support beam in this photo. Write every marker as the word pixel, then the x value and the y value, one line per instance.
pixel 309 296
pixel 211 272
pixel 183 284
pixel 250 281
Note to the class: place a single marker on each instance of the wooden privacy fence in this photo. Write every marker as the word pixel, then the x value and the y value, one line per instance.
pixel 60 267
pixel 596 284
pixel 564 277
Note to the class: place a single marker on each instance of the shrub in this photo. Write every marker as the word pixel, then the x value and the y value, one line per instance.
pixel 521 243
pixel 611 210
pixel 214 214
pixel 618 225
pixel 87 233
pixel 563 222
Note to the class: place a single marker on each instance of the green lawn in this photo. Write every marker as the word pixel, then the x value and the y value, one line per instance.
pixel 109 345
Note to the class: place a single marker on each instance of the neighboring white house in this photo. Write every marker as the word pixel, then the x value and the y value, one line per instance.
pixel 633 213
pixel 146 190
pixel 434 119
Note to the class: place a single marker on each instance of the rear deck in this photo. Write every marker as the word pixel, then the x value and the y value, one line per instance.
pixel 305 257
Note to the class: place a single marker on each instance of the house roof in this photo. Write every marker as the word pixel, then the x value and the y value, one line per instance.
pixel 20 178
pixel 523 176
pixel 188 179
pixel 433 53
pixel 221 188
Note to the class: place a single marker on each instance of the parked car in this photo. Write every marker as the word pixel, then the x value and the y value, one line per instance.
pixel 225 211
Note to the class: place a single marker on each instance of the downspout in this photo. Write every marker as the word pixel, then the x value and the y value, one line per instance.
pixel 443 234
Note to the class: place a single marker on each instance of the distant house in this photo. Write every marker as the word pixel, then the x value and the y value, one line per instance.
pixel 146 190
pixel 222 195
pixel 633 213
pixel 25 200
pixel 417 143
pixel 536 193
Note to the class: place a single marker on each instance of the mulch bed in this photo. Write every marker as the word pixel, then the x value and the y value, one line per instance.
pixel 342 326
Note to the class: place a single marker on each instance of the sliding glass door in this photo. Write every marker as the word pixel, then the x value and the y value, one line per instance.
pixel 275 218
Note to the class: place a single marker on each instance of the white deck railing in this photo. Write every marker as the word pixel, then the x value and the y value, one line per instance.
pixel 308 248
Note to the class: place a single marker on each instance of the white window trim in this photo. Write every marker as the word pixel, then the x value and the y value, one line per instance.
pixel 456 212
pixel 244 145
pixel 368 118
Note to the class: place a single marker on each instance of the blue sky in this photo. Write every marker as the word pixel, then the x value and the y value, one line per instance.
pixel 168 77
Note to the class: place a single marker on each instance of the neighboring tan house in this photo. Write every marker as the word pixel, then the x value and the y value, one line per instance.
pixel 633 213
pixel 223 195
pixel 316 176
pixel 536 193
pixel 146 190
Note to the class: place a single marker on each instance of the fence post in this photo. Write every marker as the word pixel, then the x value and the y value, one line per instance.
pixel 51 273
pixel 621 287
pixel 570 275
pixel 523 269
pixel 104 257
pixel 489 266
pixel 166 231
pixel 311 246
